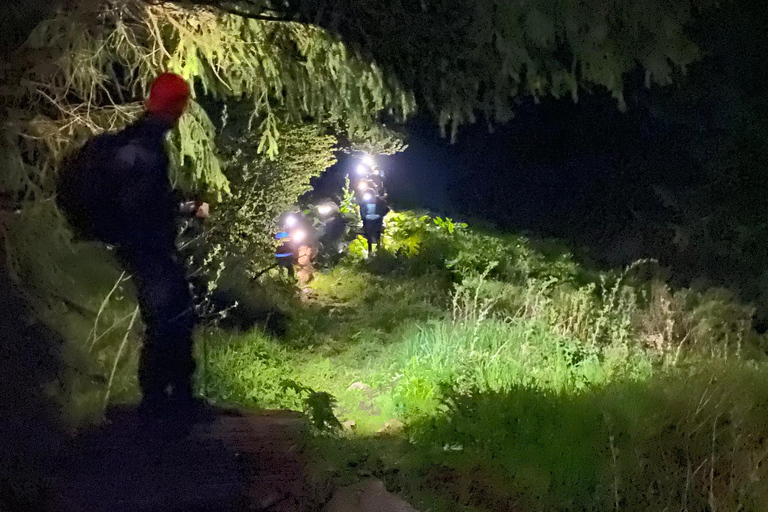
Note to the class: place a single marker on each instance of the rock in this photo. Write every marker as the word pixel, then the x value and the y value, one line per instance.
pixel 359 386
pixel 392 426
pixel 368 495
pixel 349 425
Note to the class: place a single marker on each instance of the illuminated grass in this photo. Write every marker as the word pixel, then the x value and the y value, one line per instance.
pixel 507 407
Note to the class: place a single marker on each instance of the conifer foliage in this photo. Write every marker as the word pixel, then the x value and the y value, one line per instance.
pixel 88 68
pixel 262 188
pixel 465 58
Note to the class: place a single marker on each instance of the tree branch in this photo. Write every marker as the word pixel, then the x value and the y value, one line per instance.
pixel 230 8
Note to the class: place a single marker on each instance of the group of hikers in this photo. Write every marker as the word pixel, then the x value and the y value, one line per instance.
pixel 303 237
pixel 117 190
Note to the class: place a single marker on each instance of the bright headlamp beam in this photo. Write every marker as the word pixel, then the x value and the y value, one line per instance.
pixel 298 236
pixel 324 209
pixel 369 161
pixel 362 169
pixel 290 220
pixel 367 196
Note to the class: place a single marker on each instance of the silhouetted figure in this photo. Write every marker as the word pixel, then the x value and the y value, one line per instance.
pixel 364 185
pixel 373 209
pixel 298 246
pixel 331 230
pixel 285 254
pixel 377 178
pixel 117 190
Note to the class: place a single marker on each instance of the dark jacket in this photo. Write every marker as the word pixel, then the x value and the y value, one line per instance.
pixel 374 210
pixel 117 188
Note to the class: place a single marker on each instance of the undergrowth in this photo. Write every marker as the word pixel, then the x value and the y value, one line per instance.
pixel 472 371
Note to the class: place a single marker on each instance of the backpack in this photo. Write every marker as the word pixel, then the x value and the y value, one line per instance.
pixel 88 187
pixel 371 212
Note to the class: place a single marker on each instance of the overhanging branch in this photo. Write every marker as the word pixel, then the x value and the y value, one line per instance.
pixel 234 9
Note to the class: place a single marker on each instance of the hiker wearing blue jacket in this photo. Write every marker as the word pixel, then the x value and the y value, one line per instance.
pixel 373 209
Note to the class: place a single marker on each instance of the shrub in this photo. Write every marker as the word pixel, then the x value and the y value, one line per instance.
pixel 262 189
pixel 712 322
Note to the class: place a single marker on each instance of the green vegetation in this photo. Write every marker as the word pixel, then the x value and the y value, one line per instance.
pixel 88 68
pixel 484 54
pixel 270 100
pixel 468 370
pixel 483 372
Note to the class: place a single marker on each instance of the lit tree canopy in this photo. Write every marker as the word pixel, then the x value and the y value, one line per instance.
pixel 88 68
pixel 466 57
pixel 340 65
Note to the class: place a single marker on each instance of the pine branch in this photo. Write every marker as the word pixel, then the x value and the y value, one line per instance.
pixel 231 8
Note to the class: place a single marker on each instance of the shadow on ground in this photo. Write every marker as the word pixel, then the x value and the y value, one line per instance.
pixel 228 462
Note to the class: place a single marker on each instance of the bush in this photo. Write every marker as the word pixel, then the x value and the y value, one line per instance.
pixel 262 189
pixel 711 322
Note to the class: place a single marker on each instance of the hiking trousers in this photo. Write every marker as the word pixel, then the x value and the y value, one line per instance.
pixel 373 229
pixel 166 362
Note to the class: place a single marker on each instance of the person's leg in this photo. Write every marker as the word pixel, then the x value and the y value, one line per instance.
pixel 367 235
pixel 141 266
pixel 379 233
pixel 374 236
pixel 306 270
pixel 166 358
pixel 178 325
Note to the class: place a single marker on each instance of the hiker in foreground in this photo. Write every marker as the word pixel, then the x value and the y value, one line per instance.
pixel 117 191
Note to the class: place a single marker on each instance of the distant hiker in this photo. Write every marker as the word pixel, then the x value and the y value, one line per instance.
pixel 364 185
pixel 285 254
pixel 331 229
pixel 298 246
pixel 304 261
pixel 117 191
pixel 373 209
pixel 377 178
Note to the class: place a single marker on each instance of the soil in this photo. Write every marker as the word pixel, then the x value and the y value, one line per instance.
pixel 245 461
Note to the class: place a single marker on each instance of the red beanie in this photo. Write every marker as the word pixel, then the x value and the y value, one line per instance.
pixel 168 95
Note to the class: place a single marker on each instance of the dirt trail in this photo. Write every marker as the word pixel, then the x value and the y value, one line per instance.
pixel 229 462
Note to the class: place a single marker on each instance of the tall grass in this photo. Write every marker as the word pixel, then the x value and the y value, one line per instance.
pixel 524 380
pixel 668 443
pixel 543 386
